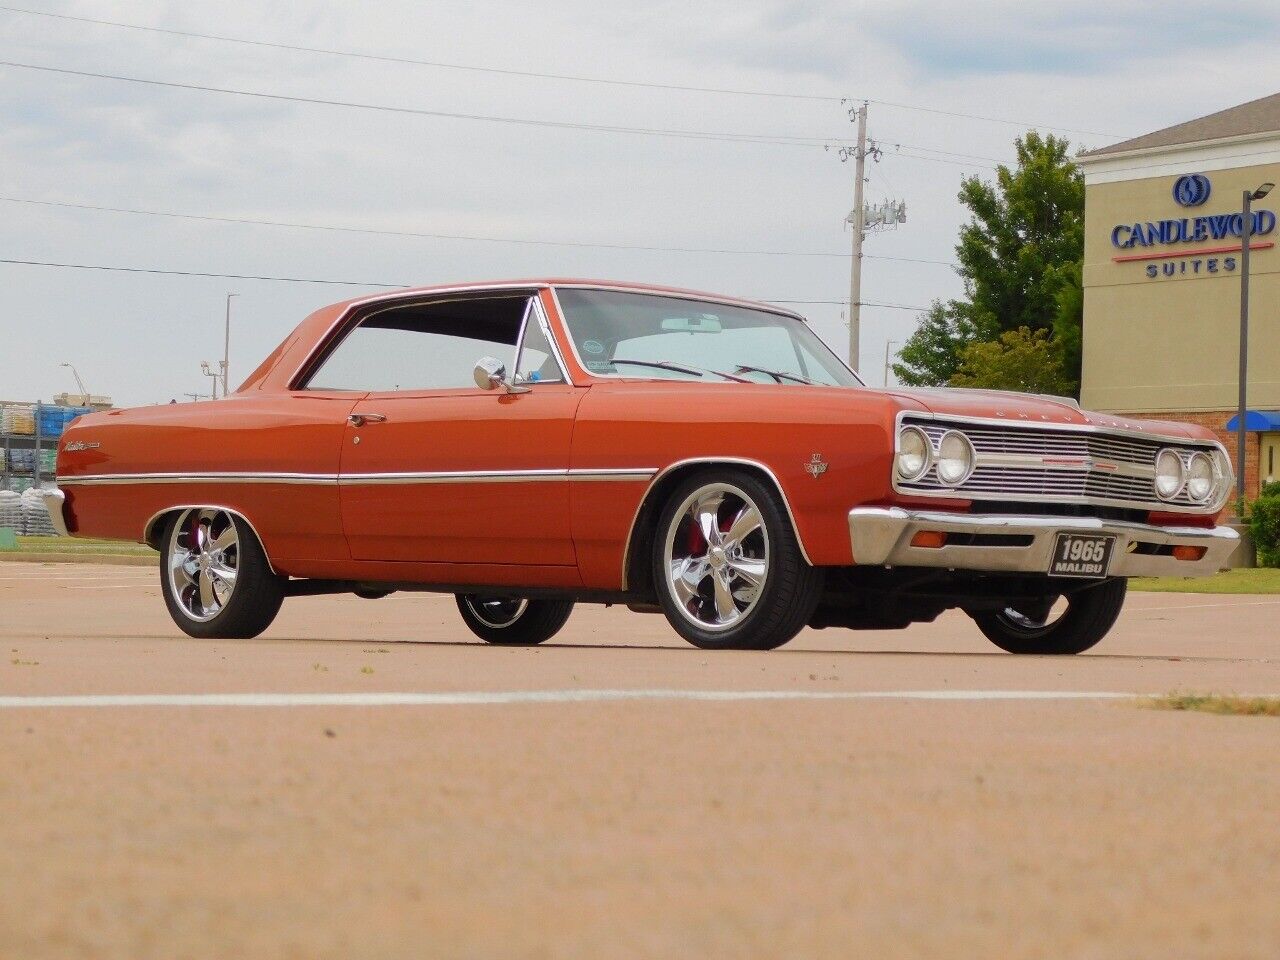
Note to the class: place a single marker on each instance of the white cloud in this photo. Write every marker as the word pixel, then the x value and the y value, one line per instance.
pixel 141 337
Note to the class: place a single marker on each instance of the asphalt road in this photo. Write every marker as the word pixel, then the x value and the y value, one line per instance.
pixel 616 793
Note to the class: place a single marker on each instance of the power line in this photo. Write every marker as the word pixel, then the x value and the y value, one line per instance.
pixel 341 283
pixel 411 61
pixel 769 139
pixel 1025 124
pixel 250 221
pixel 196 273
pixel 532 74
pixel 772 139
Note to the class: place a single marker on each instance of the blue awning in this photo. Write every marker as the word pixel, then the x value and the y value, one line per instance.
pixel 1262 421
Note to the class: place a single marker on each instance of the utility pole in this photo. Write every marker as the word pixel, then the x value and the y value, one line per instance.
pixel 226 347
pixel 855 267
pixel 212 374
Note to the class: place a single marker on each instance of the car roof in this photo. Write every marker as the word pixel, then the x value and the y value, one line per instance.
pixel 539 282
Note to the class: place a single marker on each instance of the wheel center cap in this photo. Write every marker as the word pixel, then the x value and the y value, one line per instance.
pixel 717 557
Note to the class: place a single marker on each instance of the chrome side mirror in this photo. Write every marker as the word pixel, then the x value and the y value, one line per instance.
pixel 491 373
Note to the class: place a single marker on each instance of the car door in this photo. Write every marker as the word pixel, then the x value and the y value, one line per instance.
pixel 446 471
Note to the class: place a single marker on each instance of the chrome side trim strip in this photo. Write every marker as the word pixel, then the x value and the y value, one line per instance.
pixel 583 475
pixel 229 477
pixel 710 461
pixel 499 476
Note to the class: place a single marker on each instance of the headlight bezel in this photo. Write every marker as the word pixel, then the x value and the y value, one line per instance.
pixel 970 458
pixel 926 459
pixel 1181 474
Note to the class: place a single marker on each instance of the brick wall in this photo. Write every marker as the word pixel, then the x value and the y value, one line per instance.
pixel 1216 420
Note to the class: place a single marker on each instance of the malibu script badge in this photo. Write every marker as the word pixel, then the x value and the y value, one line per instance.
pixel 1077 556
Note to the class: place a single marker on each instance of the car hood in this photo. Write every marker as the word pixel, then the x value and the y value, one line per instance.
pixel 1009 405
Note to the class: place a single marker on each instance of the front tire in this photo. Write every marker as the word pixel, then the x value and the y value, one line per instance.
pixel 513 621
pixel 215 577
pixel 1090 615
pixel 727 565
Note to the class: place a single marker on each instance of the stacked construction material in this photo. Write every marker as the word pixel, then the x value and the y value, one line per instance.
pixel 10 511
pixel 17 418
pixel 19 484
pixel 36 521
pixel 48 461
pixel 22 461
pixel 53 420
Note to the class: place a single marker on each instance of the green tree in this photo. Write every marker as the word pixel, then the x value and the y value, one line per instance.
pixel 1019 256
pixel 1024 359
pixel 932 355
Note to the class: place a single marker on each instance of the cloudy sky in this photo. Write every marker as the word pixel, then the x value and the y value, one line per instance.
pixel 548 198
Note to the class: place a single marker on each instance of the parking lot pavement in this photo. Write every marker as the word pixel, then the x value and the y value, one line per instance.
pixel 643 824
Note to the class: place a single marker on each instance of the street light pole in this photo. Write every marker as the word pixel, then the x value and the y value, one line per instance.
pixel 84 392
pixel 1246 232
pixel 887 346
pixel 226 347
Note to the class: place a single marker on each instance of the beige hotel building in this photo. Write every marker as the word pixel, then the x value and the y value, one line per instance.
pixel 1162 277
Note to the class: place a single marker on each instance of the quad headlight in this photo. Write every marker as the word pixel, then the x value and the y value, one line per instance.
pixel 955 458
pixel 915 454
pixel 1170 474
pixel 1202 478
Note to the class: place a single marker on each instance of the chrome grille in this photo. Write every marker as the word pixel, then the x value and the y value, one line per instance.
pixel 1017 463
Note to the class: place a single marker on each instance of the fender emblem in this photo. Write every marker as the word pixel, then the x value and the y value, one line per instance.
pixel 816 466
pixel 76 445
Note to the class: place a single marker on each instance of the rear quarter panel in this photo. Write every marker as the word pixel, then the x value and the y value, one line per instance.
pixel 100 456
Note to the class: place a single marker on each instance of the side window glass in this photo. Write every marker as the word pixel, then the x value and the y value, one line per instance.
pixel 424 346
pixel 537 362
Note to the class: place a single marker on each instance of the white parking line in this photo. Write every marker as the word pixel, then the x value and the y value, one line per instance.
pixel 1208 606
pixel 502 697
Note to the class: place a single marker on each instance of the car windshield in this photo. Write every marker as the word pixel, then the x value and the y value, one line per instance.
pixel 643 335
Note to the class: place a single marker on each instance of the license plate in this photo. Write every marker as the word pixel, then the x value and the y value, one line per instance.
pixel 1077 556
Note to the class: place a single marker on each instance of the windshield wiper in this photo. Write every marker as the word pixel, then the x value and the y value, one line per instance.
pixel 777 375
pixel 678 367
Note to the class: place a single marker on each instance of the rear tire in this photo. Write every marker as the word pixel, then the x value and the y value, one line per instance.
pixel 513 621
pixel 215 577
pixel 1090 615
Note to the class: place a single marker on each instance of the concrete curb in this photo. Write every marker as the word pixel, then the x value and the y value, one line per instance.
pixel 110 559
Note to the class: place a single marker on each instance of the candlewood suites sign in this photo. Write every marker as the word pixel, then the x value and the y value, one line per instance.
pixel 1191 246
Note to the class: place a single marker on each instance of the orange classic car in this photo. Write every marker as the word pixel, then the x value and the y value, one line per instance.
pixel 529 445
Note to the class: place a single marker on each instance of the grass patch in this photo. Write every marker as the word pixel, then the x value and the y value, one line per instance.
pixel 85 545
pixel 1225 705
pixel 1257 580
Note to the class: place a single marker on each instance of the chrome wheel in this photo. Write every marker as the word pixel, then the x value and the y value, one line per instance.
pixel 496 613
pixel 204 562
pixel 1037 619
pixel 717 556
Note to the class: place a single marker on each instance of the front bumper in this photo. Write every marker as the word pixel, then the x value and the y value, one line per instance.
pixel 882 536
pixel 53 501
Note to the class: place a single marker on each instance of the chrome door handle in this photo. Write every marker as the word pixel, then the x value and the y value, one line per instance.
pixel 360 419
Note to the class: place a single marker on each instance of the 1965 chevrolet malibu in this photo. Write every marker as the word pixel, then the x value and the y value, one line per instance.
pixel 529 445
